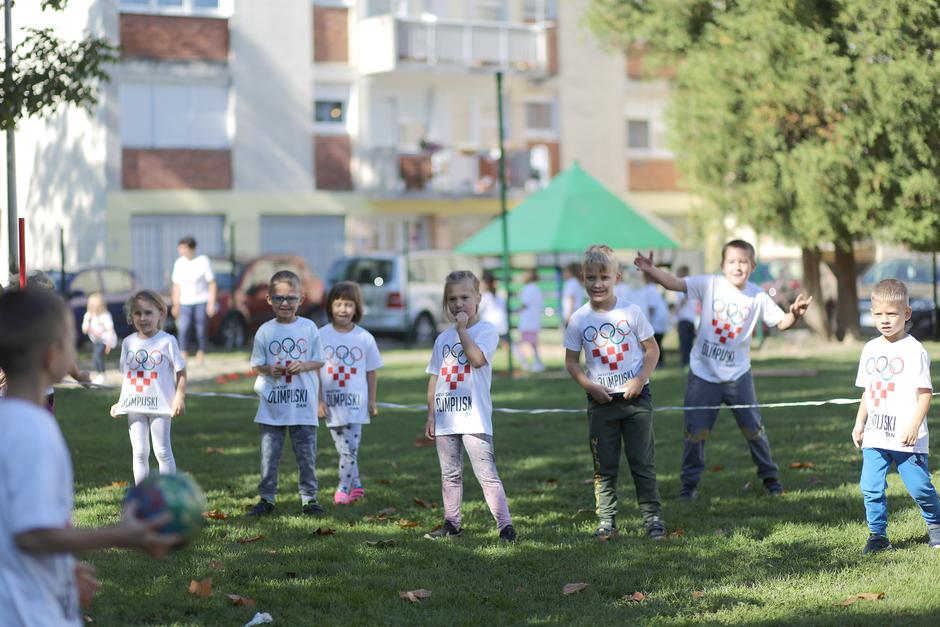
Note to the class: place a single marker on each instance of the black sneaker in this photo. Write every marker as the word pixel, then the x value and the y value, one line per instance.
pixel 875 544
pixel 605 531
pixel 933 536
pixel 312 508
pixel 261 508
pixel 688 492
pixel 655 528
pixel 446 530
pixel 773 486
pixel 507 534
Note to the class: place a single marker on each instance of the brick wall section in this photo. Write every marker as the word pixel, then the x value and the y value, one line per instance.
pixel 551 43
pixel 330 35
pixel 636 70
pixel 176 169
pixel 653 175
pixel 174 37
pixel 331 157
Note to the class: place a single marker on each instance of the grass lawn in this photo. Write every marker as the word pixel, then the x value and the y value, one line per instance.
pixel 736 556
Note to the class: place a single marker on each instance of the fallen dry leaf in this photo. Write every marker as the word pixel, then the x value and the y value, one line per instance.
pixel 587 481
pixel 585 511
pixel 551 481
pixel 216 514
pixel 573 588
pixel 88 619
pixel 678 533
pixel 802 465
pixel 380 544
pixel 863 596
pixel 415 596
pixel 404 523
pixel 324 531
pixel 217 565
pixel 421 442
pixel 423 503
pixel 520 588
pixel 698 594
pixel 747 487
pixel 720 532
pixel 248 539
pixel 636 597
pixel 211 450
pixel 201 588
pixel 384 481
pixel 385 513
pixel 118 484
pixel 240 601
pixel 290 575
pixel 271 551
pixel 718 468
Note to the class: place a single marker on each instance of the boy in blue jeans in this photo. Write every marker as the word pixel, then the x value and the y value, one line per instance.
pixel 891 424
pixel 720 368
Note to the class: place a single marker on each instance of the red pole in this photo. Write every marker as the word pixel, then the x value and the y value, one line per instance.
pixel 22 222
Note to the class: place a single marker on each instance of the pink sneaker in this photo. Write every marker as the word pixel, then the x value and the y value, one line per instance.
pixel 355 494
pixel 341 498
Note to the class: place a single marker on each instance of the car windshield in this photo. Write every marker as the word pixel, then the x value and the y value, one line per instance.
pixel 907 270
pixel 364 271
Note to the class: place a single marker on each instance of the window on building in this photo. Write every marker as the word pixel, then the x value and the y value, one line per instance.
pixel 174 116
pixel 540 116
pixel 489 10
pixel 638 134
pixel 179 7
pixel 539 10
pixel 331 101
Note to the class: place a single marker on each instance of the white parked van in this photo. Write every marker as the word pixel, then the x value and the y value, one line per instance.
pixel 402 293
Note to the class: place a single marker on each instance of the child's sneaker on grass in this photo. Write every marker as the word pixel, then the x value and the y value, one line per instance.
pixel 655 528
pixel 261 508
pixel 340 497
pixel 875 544
pixel 773 486
pixel 446 530
pixel 688 492
pixel 356 493
pixel 507 534
pixel 933 535
pixel 312 508
pixel 605 531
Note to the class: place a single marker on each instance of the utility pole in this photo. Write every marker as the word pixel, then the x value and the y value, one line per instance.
pixel 11 147
pixel 502 205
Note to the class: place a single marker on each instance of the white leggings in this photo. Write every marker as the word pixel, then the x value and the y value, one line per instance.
pixel 138 425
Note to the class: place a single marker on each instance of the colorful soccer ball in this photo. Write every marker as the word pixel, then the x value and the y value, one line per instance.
pixel 176 493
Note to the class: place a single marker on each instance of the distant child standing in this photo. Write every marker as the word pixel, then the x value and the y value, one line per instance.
pixel 891 424
pixel 460 411
pixel 721 358
pixel 493 308
pixel 686 315
pixel 530 322
pixel 98 325
pixel 348 383
pixel 153 391
pixel 572 292
pixel 620 353
pixel 287 350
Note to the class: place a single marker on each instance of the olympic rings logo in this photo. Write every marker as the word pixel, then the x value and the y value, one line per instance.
pixel 884 367
pixel 454 354
pixel 142 360
pixel 342 353
pixel 288 348
pixel 608 333
pixel 731 312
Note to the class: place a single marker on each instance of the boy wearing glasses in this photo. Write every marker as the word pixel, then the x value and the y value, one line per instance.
pixel 287 351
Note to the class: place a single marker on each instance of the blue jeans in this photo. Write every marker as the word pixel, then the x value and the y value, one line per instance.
pixel 912 467
pixel 185 323
pixel 699 424
pixel 303 439
pixel 97 356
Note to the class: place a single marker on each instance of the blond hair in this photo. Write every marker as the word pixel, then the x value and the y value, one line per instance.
pixel 890 291
pixel 151 297
pixel 600 256
pixel 459 276
pixel 95 304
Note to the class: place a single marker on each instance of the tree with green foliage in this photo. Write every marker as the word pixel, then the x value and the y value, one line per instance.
pixel 813 120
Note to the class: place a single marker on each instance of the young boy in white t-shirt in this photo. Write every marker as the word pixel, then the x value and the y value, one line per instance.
pixel 620 352
pixel 40 581
pixel 721 363
pixel 286 353
pixel 891 424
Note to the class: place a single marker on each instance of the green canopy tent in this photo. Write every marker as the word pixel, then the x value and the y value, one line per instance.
pixel 574 211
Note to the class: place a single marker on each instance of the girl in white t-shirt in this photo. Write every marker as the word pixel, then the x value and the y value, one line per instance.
pixel 459 406
pixel 348 383
pixel 154 383
pixel 98 325
pixel 530 321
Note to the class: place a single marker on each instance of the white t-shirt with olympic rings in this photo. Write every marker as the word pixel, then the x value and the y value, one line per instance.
pixel 891 373
pixel 722 349
pixel 611 342
pixel 148 367
pixel 462 402
pixel 348 356
pixel 290 399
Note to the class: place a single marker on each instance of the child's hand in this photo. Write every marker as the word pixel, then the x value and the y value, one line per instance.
pixel 114 409
pixel 275 371
pixel 321 410
pixel 799 306
pixel 86 582
pixel 599 393
pixel 462 319
pixel 107 349
pixel 143 534
pixel 643 264
pixel 373 409
pixel 179 406
pixel 429 428
pixel 909 435
pixel 295 367
pixel 858 433
pixel 632 388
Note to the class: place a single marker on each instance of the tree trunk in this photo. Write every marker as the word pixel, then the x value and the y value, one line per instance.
pixel 847 307
pixel 817 318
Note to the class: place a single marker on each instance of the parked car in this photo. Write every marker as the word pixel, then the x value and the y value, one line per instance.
pixel 115 285
pixel 917 274
pixel 402 294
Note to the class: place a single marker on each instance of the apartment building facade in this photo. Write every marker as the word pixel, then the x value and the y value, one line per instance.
pixel 326 127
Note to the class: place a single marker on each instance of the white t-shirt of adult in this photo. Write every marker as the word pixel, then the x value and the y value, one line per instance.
pixel 572 297
pixel 462 402
pixel 530 318
pixel 347 359
pixel 658 310
pixel 611 342
pixel 193 276
pixel 493 310
pixel 891 373
pixel 722 350
pixel 149 366
pixel 36 487
pixel 290 399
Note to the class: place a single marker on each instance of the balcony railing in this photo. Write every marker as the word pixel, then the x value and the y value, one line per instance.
pixel 452 45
